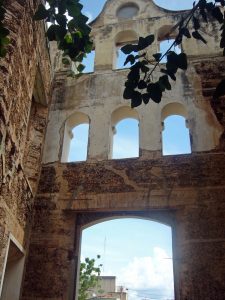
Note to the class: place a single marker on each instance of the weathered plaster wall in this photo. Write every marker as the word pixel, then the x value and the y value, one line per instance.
pixel 99 94
pixel 24 72
pixel 210 74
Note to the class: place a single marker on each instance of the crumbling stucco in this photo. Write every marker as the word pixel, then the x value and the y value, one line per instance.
pixel 183 191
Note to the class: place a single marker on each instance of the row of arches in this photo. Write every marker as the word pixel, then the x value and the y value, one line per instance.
pixel 164 41
pixel 124 133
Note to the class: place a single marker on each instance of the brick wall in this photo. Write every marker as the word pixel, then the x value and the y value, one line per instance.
pixel 27 53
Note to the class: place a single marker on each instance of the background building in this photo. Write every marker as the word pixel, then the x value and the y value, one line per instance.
pixel 107 289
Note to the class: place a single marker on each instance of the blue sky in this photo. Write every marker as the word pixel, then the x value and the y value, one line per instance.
pixel 92 8
pixel 138 252
pixel 175 139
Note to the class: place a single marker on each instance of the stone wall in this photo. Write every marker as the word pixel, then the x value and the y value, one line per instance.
pixel 27 56
pixel 185 192
pixel 100 94
pixel 210 74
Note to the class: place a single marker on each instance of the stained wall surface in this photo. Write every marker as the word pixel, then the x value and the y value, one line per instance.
pixel 25 81
pixel 99 94
pixel 184 191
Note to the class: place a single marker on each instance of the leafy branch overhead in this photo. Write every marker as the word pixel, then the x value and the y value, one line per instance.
pixel 68 27
pixel 71 33
pixel 140 86
pixel 4 32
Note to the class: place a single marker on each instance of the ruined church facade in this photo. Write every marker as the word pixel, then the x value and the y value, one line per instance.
pixel 47 201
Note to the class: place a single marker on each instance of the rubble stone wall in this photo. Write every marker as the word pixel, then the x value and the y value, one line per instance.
pixel 26 56
pixel 183 191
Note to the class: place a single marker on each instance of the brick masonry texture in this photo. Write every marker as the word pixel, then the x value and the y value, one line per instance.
pixel 27 53
pixel 190 188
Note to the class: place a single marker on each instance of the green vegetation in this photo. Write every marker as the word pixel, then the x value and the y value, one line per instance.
pixel 68 27
pixel 89 277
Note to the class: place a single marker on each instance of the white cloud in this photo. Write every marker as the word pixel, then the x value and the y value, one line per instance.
pixel 150 274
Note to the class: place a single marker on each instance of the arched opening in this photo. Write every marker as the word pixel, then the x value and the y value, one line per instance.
pixel 166 39
pixel 132 268
pixel 175 134
pixel 121 39
pixel 124 133
pixel 13 272
pixel 89 62
pixel 127 11
pixel 76 135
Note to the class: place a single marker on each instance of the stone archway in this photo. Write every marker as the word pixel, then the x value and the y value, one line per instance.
pixel 88 219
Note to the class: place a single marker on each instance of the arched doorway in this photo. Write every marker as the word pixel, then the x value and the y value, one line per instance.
pixel 144 266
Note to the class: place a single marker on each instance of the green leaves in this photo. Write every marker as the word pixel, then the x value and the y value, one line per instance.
pixel 142 44
pixel 42 13
pixel 222 41
pixel 174 62
pixel 72 35
pixel 80 68
pixel 56 32
pixel 4 32
pixel 89 277
pixel 185 31
pixel 155 92
pixel 74 8
pixel 196 35
pixel 129 48
pixel 217 14
pixel 130 59
pixel 164 83
pixel 139 86
pixel 196 23
pixel 61 20
pixel 182 61
pixel 157 56
pixel 145 42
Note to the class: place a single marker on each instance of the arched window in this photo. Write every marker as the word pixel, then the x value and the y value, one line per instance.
pixel 89 62
pixel 121 39
pixel 175 134
pixel 143 263
pixel 166 40
pixel 127 11
pixel 75 143
pixel 165 45
pixel 124 133
pixel 120 59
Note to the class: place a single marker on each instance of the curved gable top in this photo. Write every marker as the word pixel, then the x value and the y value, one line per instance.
pixel 146 9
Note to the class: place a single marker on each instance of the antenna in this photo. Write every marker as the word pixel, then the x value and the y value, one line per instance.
pixel 104 255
